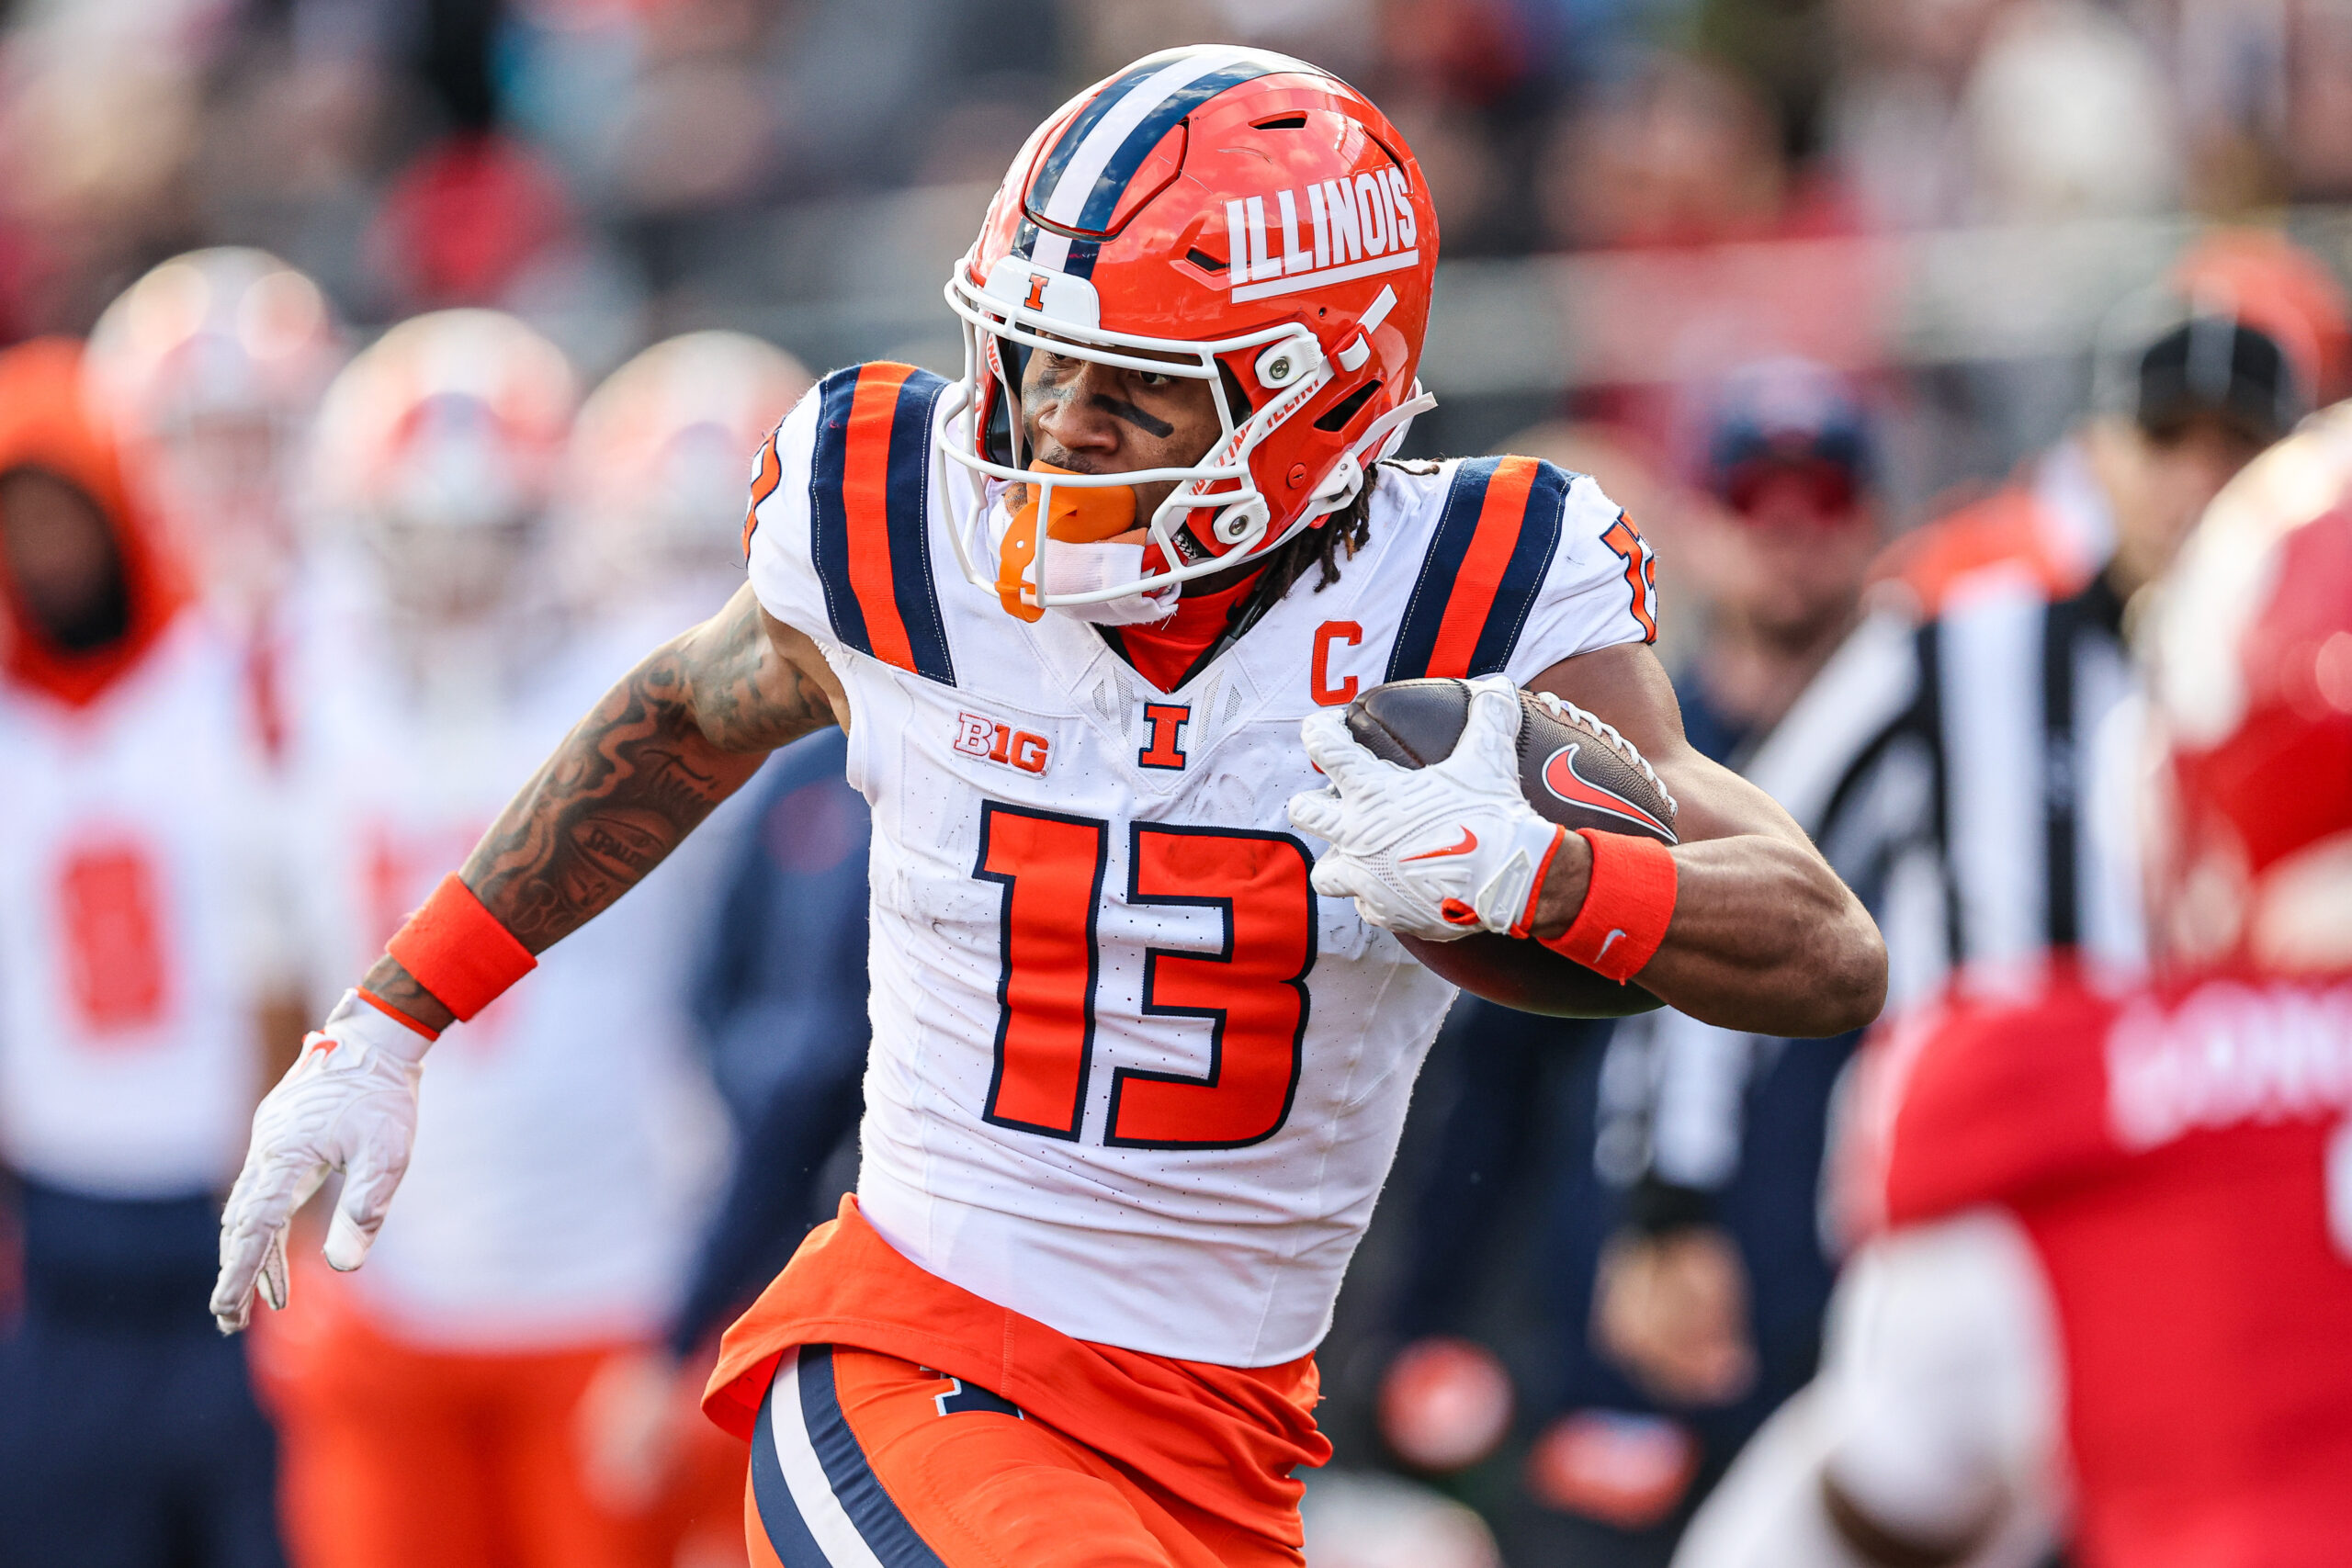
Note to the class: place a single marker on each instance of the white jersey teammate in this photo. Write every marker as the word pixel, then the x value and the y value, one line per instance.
pixel 1140 1057
pixel 431 1406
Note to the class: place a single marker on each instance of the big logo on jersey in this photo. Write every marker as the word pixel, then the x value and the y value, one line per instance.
pixel 1561 777
pixel 977 736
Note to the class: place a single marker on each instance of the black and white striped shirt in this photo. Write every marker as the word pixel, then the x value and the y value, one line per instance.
pixel 1974 779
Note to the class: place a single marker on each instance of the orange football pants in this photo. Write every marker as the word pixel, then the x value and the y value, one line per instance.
pixel 861 1458
pixel 394 1456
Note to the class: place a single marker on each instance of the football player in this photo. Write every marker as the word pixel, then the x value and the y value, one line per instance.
pixel 646 537
pixel 2113 1269
pixel 655 475
pixel 432 1408
pixel 135 948
pixel 209 368
pixel 1140 1058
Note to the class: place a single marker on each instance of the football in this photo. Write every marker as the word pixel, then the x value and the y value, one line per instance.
pixel 1572 774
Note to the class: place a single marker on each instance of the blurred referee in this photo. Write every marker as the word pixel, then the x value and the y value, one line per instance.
pixel 1969 774
pixel 1709 1296
pixel 1998 800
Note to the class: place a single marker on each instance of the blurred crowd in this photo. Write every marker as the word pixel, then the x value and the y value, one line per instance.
pixel 384 375
pixel 610 169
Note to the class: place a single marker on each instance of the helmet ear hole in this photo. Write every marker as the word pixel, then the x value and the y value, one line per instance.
pixel 1283 363
pixel 1340 414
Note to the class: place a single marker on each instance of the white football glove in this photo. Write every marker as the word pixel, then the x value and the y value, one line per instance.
pixel 349 1104
pixel 1435 853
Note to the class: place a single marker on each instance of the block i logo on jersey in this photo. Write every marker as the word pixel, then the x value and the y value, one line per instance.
pixel 978 737
pixel 1167 721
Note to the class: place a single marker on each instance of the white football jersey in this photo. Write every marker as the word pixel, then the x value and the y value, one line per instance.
pixel 569 1139
pixel 1130 1077
pixel 132 873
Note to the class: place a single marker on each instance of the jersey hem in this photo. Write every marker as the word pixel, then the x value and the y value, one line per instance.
pixel 1223 1439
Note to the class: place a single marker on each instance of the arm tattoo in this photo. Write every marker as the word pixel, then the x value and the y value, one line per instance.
pixel 623 788
pixel 680 733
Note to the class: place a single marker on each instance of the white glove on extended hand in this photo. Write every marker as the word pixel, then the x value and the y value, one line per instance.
pixel 348 1104
pixel 1434 852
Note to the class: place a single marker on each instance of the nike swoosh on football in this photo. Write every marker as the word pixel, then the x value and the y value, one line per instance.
pixel 1469 842
pixel 1560 776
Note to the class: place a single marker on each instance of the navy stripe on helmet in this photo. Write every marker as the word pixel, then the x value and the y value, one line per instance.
pixel 879 1523
pixel 1049 170
pixel 787 1532
pixel 1112 183
pixel 1505 616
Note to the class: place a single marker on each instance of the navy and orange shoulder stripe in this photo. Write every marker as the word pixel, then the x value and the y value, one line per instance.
pixel 869 514
pixel 1483 567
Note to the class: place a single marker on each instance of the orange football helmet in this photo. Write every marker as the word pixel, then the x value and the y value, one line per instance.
pixel 1246 218
pixel 209 370
pixel 654 484
pixel 439 447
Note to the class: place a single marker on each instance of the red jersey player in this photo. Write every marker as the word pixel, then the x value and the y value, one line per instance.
pixel 2121 1219
pixel 1140 1059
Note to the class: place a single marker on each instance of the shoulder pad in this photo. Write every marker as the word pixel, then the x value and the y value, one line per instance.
pixel 869 493
pixel 1484 567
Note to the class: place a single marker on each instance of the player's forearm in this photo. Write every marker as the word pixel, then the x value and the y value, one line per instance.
pixel 678 735
pixel 1764 937
pixel 624 789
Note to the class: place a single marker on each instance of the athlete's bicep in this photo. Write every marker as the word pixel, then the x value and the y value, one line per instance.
pixel 755 682
pixel 1628 687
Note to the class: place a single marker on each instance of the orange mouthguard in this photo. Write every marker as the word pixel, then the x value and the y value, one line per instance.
pixel 1080 515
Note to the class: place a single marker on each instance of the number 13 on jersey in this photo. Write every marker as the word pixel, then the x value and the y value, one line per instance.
pixel 1253 989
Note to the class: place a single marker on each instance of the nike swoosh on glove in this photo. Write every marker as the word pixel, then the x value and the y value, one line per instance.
pixel 1435 853
pixel 349 1104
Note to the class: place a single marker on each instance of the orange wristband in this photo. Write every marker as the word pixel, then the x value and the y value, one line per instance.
pixel 456 950
pixel 1627 906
